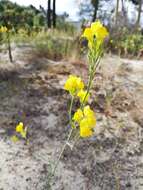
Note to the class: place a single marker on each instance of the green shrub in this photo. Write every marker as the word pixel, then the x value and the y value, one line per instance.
pixel 125 43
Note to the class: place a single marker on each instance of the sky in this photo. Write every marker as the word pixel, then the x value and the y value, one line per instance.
pixel 70 6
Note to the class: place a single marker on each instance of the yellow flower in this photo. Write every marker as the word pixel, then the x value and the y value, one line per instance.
pixel 86 120
pixel 73 84
pixel 3 29
pixel 14 138
pixel 78 115
pixel 99 30
pixel 20 127
pixel 95 34
pixel 83 96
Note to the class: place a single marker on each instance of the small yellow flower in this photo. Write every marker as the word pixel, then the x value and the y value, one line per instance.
pixel 83 96
pixel 3 29
pixel 78 115
pixel 14 138
pixel 73 84
pixel 20 127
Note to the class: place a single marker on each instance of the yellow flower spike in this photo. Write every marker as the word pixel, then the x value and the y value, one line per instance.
pixel 73 84
pixel 20 127
pixel 78 115
pixel 95 35
pixel 83 96
pixel 14 138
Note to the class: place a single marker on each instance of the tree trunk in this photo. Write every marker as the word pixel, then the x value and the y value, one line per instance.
pixel 124 13
pixel 54 13
pixel 116 13
pixel 49 14
pixel 139 13
pixel 123 8
pixel 95 4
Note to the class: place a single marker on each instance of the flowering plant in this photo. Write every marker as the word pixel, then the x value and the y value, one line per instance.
pixel 83 121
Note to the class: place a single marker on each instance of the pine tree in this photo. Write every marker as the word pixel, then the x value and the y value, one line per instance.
pixel 54 13
pixel 49 14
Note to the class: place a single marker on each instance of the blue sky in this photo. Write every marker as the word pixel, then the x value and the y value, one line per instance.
pixel 70 6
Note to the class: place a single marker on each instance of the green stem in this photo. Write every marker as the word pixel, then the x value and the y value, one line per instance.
pixel 70 110
pixel 88 89
pixel 62 151
pixel 68 138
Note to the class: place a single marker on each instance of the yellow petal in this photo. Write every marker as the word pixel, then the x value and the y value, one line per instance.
pixel 99 30
pixel 19 127
pixel 80 84
pixel 91 122
pixel 78 115
pixel 85 131
pixel 102 33
pixel 95 26
pixel 87 34
pixel 88 112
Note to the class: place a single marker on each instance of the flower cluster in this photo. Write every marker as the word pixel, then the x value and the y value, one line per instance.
pixel 84 116
pixel 3 29
pixel 95 34
pixel 75 86
pixel 86 120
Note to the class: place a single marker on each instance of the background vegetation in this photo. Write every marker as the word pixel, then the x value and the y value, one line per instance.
pixel 29 24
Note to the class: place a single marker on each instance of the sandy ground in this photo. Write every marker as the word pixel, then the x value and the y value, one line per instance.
pixel 32 92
